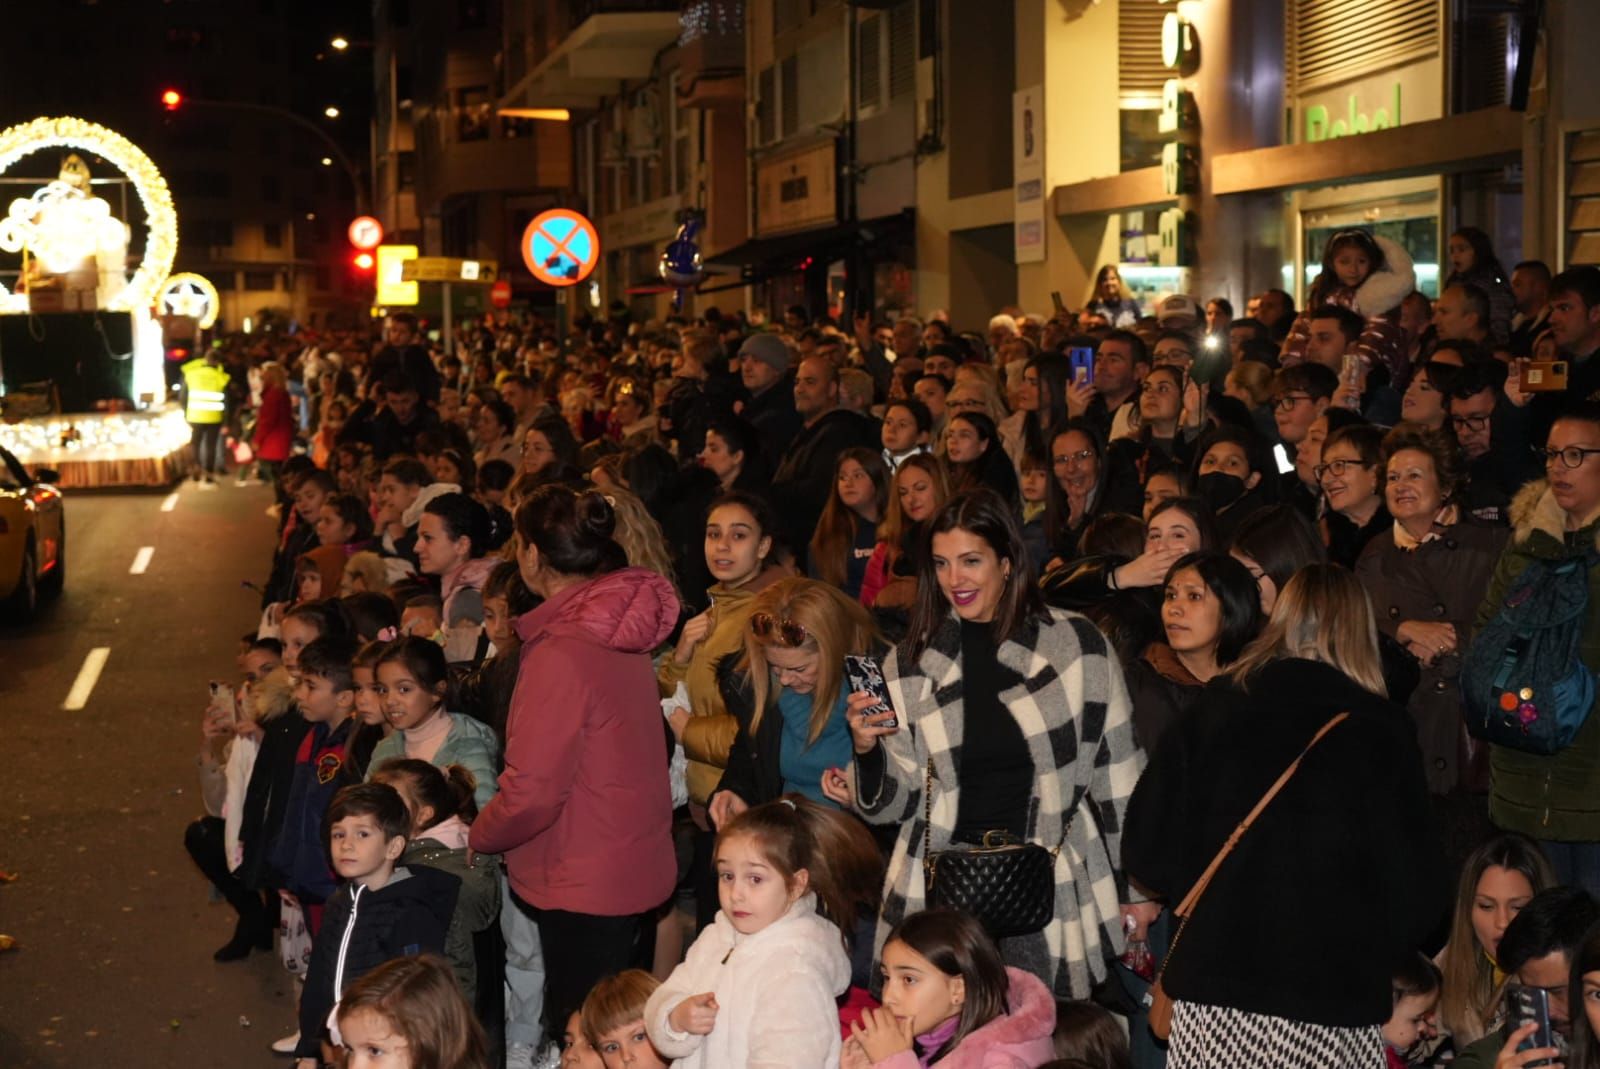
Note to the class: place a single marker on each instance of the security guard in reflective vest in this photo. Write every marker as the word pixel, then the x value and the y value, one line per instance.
pixel 205 387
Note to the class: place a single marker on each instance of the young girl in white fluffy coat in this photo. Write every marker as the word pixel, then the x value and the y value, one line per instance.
pixel 758 987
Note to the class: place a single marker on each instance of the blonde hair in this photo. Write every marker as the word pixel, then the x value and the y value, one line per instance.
pixel 369 566
pixel 858 386
pixel 834 625
pixel 986 381
pixel 1323 614
pixel 616 1001
pixel 273 374
pixel 639 535
pixel 270 697
pixel 1255 379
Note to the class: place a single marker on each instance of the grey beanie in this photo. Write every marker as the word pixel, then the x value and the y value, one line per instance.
pixel 767 348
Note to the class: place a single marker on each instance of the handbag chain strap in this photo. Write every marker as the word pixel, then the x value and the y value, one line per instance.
pixel 927 823
pixel 1185 909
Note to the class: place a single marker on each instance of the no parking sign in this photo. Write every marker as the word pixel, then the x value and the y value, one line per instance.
pixel 560 247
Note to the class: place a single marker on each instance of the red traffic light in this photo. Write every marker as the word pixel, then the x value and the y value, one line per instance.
pixel 363 261
pixel 171 99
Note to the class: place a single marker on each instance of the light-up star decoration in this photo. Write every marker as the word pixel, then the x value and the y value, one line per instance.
pixel 33 221
pixel 188 294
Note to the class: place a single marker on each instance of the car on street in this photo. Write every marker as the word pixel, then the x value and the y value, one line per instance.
pixel 33 538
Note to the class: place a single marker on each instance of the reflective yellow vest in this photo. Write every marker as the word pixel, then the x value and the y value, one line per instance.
pixel 206 384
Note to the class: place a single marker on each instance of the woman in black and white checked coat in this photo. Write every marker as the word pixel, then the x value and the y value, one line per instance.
pixel 1024 714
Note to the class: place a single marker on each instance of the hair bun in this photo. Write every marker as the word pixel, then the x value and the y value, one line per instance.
pixel 596 517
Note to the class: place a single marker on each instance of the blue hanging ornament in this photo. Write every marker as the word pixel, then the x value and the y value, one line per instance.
pixel 680 264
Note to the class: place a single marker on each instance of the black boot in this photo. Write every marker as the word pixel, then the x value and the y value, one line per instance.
pixel 251 933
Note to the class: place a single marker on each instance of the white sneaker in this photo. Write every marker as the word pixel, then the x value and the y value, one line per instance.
pixel 519 1056
pixel 287 1044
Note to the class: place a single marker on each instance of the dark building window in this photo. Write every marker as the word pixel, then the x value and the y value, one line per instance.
pixel 208 232
pixel 260 281
pixel 473 113
pixel 272 235
pixel 472 14
pixel 271 190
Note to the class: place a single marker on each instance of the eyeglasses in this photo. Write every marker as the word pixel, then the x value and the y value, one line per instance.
pixel 1338 467
pixel 1469 423
pixel 1073 458
pixel 1571 457
pixel 1289 400
pixel 764 626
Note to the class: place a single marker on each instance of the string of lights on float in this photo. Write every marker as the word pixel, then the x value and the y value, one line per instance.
pixel 161 218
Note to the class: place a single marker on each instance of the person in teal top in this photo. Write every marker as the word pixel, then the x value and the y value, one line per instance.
pixel 788 693
pixel 802 760
pixel 412 679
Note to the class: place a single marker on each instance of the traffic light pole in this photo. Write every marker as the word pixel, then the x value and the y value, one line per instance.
pixel 305 124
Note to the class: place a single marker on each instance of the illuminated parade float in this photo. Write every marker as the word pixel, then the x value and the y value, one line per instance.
pixel 82 385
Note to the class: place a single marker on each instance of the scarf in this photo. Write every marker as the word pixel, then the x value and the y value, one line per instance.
pixel 1447 517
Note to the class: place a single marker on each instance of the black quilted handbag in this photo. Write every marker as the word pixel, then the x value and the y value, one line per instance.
pixel 1009 887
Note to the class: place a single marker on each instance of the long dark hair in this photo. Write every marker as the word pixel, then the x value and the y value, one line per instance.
pixel 1484 262
pixel 956 944
pixel 1054 371
pixel 1584 1050
pixel 982 513
pixel 1280 540
pixel 1237 596
pixel 1057 513
pixel 836 529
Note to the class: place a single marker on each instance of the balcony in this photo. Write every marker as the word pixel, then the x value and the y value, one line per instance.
pixel 711 54
pixel 609 42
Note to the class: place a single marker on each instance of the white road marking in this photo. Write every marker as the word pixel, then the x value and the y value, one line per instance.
pixel 141 560
pixel 88 676
pixel 171 502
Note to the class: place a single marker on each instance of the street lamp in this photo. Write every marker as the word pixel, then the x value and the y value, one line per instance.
pixel 327 161
pixel 331 112
pixel 340 43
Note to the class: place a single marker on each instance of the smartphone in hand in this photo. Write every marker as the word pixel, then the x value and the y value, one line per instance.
pixel 865 676
pixel 1525 1004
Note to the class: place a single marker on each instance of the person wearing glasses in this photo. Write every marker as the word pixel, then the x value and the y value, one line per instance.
pixel 1492 433
pixel 1351 478
pixel 1083 487
pixel 1300 395
pixel 1008 717
pixel 1556 799
pixel 1426 578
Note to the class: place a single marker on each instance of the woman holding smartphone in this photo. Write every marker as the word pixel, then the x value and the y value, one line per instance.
pixel 788 694
pixel 1009 717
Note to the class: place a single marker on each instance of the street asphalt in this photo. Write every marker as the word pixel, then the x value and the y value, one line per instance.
pixel 113 927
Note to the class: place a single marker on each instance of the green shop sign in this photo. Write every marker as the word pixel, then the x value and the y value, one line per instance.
pixel 1321 125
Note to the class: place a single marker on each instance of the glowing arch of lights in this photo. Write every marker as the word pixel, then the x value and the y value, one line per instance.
pixel 161 246
pixel 189 294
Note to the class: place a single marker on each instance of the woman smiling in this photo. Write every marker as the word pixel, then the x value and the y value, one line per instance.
pixel 990 688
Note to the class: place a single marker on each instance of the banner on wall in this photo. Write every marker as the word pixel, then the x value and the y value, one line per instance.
pixel 1027 169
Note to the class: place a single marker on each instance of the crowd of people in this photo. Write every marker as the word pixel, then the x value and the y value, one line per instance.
pixel 1128 687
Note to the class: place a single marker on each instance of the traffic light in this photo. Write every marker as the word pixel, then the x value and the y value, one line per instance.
pixel 363 261
pixel 171 99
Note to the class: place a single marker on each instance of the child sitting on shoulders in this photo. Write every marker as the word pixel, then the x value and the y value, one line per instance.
pixel 948 999
pixel 382 911
pixel 759 985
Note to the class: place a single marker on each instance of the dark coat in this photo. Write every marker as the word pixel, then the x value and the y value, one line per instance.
pixel 1440 581
pixel 1162 690
pixel 407 916
pixel 1353 825
pixel 771 412
pixel 320 769
pixel 802 483
pixel 266 797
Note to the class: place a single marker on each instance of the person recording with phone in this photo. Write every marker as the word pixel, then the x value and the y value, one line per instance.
pixel 990 734
pixel 1105 390
pixel 1536 952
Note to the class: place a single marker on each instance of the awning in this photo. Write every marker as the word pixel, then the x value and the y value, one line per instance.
pixel 762 258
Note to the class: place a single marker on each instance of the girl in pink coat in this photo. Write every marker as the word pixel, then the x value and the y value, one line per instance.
pixel 949 1001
